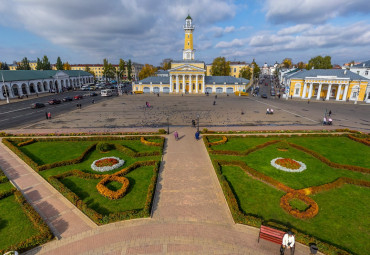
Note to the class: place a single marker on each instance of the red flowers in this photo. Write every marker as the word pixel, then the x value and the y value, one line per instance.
pixel 288 163
pixel 106 162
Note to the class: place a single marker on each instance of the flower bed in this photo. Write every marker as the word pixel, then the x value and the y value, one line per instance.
pixel 288 165
pixel 107 164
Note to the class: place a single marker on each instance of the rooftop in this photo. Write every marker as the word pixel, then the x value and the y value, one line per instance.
pixel 339 73
pixel 25 75
pixel 365 64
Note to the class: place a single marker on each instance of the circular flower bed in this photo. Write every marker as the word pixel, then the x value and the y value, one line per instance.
pixel 288 165
pixel 107 164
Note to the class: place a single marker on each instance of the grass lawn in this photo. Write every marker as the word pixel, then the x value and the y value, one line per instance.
pixel 344 213
pixel 343 217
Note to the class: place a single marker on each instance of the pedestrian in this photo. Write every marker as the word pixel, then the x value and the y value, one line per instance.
pixel 288 243
pixel 27 95
pixel 329 113
pixel 193 123
pixel 49 115
pixel 291 96
pixel 268 111
pixel 46 115
pixel 80 106
pixel 158 95
pixel 176 135
pixel 93 101
pixel 214 102
pixel 308 101
pixel 197 135
pixel 215 96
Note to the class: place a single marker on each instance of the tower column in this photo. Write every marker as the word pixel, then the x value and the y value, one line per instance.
pixel 183 83
pixel 190 85
pixel 177 83
pixel 196 84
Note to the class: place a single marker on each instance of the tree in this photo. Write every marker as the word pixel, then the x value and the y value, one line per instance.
pixel 24 64
pixel 129 70
pixel 4 66
pixel 121 67
pixel 45 63
pixel 166 63
pixel 108 69
pixel 319 62
pixel 147 71
pixel 287 62
pixel 59 64
pixel 66 66
pixel 38 64
pixel 220 67
pixel 301 65
pixel 245 73
pixel 87 69
pixel 256 68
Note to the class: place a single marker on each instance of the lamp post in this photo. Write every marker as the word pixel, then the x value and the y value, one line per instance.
pixel 6 89
pixel 119 85
pixel 168 124
pixel 198 122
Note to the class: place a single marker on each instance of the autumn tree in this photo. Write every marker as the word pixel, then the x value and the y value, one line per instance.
pixel 59 64
pixel 287 62
pixel 319 62
pixel 108 69
pixel 4 66
pixel 301 65
pixel 87 69
pixel 245 73
pixel 220 67
pixel 256 68
pixel 166 63
pixel 45 63
pixel 66 66
pixel 129 70
pixel 121 66
pixel 147 71
pixel 24 64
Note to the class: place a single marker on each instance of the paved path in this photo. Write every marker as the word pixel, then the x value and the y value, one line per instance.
pixel 63 218
pixel 190 214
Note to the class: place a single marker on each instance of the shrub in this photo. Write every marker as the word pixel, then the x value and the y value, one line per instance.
pixel 105 191
pixel 26 142
pixel 162 131
pixel 104 147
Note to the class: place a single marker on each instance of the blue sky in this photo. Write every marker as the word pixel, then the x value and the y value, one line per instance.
pixel 147 31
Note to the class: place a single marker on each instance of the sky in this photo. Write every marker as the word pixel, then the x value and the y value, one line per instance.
pixel 148 31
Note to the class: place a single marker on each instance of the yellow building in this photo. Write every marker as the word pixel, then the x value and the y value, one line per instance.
pixel 327 84
pixel 235 67
pixel 188 76
pixel 33 65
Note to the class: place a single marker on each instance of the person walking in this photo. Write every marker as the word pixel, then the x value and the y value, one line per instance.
pixel 49 115
pixel 176 135
pixel 46 115
pixel 197 134
pixel 288 243
pixel 329 113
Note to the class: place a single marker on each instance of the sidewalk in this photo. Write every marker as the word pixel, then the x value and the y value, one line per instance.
pixel 63 218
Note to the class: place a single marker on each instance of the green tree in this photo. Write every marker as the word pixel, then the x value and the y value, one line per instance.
pixel 147 71
pixel 301 65
pixel 245 73
pixel 121 66
pixel 108 69
pixel 4 66
pixel 87 69
pixel 66 66
pixel 220 67
pixel 38 64
pixel 24 64
pixel 129 70
pixel 287 62
pixel 319 62
pixel 256 69
pixel 166 63
pixel 45 63
pixel 59 64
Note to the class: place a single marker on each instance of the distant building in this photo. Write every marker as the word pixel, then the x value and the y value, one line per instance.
pixel 162 73
pixel 362 69
pixel 30 82
pixel 328 84
pixel 189 75
pixel 235 67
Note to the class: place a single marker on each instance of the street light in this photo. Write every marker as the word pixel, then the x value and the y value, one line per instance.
pixel 168 124
pixel 119 85
pixel 198 122
pixel 6 89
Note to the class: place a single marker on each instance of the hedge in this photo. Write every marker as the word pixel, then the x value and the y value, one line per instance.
pixel 134 154
pixel 206 131
pixel 363 140
pixel 26 142
pixel 4 134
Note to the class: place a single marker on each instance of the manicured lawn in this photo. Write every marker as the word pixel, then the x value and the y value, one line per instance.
pixel 134 199
pixel 343 217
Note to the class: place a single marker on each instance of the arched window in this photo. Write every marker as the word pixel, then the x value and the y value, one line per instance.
pixel 297 89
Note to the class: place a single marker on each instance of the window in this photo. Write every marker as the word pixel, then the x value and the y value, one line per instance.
pixel 234 70
pixel 180 85
pixel 188 43
pixel 188 36
pixel 200 86
pixel 297 91
pixel 174 86
pixel 193 86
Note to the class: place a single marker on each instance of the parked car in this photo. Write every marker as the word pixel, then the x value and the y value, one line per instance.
pixel 264 96
pixel 67 99
pixel 77 97
pixel 93 94
pixel 54 101
pixel 273 93
pixel 37 105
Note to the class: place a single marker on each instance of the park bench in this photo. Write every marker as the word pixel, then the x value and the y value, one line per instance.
pixel 271 234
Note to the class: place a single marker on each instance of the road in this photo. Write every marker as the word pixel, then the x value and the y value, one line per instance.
pixel 20 113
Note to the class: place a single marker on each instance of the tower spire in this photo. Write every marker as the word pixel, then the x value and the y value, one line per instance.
pixel 188 51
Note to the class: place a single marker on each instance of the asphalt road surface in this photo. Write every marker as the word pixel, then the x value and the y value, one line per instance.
pixel 19 113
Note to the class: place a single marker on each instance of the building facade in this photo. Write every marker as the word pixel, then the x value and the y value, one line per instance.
pixel 14 84
pixel 189 75
pixel 328 84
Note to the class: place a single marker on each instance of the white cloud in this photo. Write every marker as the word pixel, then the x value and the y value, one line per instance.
pixel 231 44
pixel 220 31
pixel 294 29
pixel 312 11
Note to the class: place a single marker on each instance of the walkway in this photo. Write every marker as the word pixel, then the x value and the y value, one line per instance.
pixel 190 214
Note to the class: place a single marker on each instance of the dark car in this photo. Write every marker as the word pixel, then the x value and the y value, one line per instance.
pixel 37 105
pixel 264 96
pixel 77 97
pixel 67 99
pixel 54 101
pixel 93 94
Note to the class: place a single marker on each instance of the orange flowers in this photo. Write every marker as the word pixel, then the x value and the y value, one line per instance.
pixel 106 162
pixel 105 191
pixel 288 163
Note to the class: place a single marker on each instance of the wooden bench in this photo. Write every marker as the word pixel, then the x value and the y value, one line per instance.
pixel 271 234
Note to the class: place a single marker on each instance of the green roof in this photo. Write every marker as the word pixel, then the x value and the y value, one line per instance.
pixel 188 17
pixel 25 75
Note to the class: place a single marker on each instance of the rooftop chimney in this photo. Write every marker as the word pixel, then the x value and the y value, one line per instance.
pixel 363 64
pixel 345 71
pixel 351 64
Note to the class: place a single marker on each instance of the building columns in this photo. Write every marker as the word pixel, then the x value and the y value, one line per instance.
pixel 171 84
pixel 190 85
pixel 345 93
pixel 196 84
pixel 304 90
pixel 319 92
pixel 310 91
pixel 338 92
pixel 328 93
pixel 183 83
pixel 204 84
pixel 177 83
